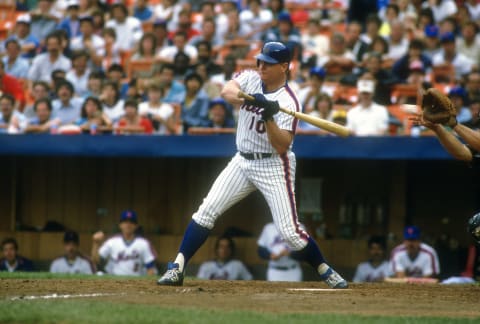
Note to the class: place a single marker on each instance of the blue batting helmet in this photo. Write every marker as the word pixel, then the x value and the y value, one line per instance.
pixel 274 53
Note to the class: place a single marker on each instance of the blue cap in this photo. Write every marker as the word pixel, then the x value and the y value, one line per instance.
pixel 447 37
pixel 411 233
pixel 217 101
pixel 431 31
pixel 318 71
pixel 71 236
pixel 457 92
pixel 129 215
pixel 284 16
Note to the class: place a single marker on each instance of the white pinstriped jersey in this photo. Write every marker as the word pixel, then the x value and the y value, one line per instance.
pixel 424 265
pixel 230 270
pixel 127 258
pixel 80 265
pixel 251 133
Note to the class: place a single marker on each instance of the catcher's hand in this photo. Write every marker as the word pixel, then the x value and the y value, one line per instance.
pixel 438 109
pixel 270 107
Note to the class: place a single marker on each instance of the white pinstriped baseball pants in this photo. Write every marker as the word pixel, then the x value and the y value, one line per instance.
pixel 274 177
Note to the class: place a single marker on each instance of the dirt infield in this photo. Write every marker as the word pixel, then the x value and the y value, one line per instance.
pixel 313 297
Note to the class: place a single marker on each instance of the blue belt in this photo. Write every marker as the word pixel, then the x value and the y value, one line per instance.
pixel 255 156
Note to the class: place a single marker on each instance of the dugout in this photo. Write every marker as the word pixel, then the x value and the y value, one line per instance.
pixel 368 186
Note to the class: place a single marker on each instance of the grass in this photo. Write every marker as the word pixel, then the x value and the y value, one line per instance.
pixel 79 310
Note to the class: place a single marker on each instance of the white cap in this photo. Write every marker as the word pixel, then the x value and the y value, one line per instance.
pixel 24 18
pixel 71 3
pixel 365 86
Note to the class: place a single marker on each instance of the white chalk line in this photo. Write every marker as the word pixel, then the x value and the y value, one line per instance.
pixel 317 289
pixel 65 296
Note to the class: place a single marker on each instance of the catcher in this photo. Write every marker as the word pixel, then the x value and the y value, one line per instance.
pixel 438 112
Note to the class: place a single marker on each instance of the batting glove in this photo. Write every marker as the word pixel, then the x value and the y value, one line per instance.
pixel 270 107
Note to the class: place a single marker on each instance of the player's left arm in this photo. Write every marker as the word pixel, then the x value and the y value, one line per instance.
pixel 279 138
pixel 149 257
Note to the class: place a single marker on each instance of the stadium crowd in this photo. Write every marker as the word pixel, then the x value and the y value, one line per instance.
pixel 157 67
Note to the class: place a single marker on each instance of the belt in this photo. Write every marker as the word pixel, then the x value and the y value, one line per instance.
pixel 285 268
pixel 255 156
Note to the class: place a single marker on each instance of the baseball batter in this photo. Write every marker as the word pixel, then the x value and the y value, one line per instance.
pixel 72 261
pixel 264 161
pixel 126 254
pixel 272 247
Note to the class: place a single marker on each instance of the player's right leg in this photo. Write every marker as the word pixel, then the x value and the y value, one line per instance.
pixel 230 187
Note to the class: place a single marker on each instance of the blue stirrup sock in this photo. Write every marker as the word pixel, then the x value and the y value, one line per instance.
pixel 194 237
pixel 310 254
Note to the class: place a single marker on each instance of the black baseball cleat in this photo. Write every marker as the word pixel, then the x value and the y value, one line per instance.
pixel 172 277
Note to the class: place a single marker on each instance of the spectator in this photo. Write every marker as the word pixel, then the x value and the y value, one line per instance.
pixel 459 98
pixel 161 34
pixel 53 59
pixel 473 8
pixel 398 41
pixel 372 28
pixel 416 77
pixel 414 258
pixel 224 267
pixel 112 49
pixel 207 56
pixel 28 42
pixel 12 261
pixel 359 10
pixel 98 21
pixel 220 115
pixel 94 84
pixel 449 55
pixel 14 64
pixel 472 85
pixel 57 76
pixel 142 11
pixel 168 53
pixel 161 114
pixel 378 45
pixel 112 104
pixel 43 121
pixel 357 46
pixel 236 35
pixel 73 261
pixel 174 90
pixel 212 89
pixel 401 68
pixel 272 247
pixel 40 90
pixel 432 41
pixel 11 86
pixel 195 105
pixel 128 27
pixel 116 74
pixel 44 20
pixel 168 10
pixel 322 108
pixel 79 73
pixel 258 18
pixel 184 25
pixel 11 120
pixel 228 69
pixel 132 122
pixel 287 34
pixel 128 254
pixel 441 8
pixel 66 107
pixel 339 61
pixel 377 267
pixel 93 44
pixel 307 95
pixel 390 15
pixel 206 11
pixel 147 48
pixel 228 21
pixel 208 35
pixel 314 44
pixel 367 118
pixel 469 43
pixel 92 118
pixel 71 23
pixel 181 62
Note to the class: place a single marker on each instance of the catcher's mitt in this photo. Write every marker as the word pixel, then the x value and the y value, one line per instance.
pixel 438 109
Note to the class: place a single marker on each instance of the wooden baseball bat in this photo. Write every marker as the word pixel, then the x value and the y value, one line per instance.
pixel 315 121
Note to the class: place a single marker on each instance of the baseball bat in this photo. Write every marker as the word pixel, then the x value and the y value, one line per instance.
pixel 315 121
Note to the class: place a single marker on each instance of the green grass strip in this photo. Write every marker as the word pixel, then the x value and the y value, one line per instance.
pixel 83 311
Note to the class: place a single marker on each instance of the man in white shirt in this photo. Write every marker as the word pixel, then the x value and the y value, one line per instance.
pixel 367 118
pixel 89 41
pixel 449 55
pixel 128 29
pixel 256 17
pixel 377 267
pixel 413 258
pixel 168 53
pixel 72 261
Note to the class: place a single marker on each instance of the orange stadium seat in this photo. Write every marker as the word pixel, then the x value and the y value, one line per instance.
pixel 136 67
pixel 210 131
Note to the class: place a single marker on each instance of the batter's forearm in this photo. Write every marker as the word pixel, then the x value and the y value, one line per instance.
pixel 279 138
pixel 230 93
